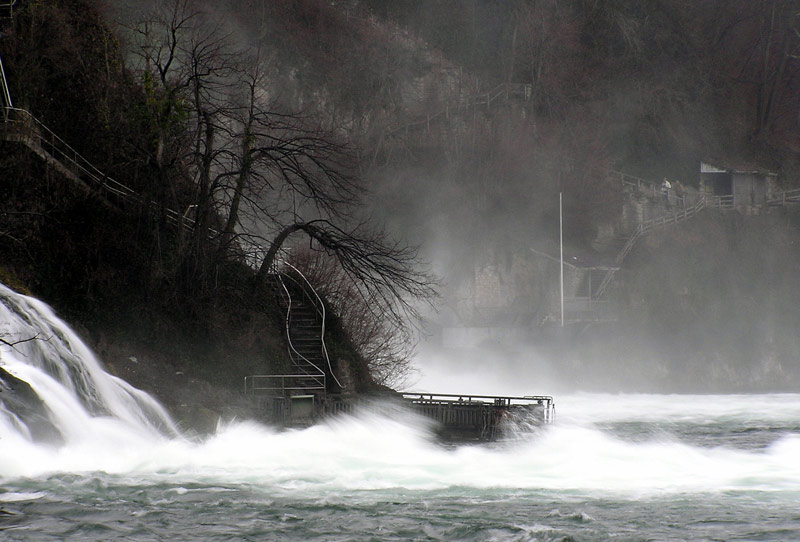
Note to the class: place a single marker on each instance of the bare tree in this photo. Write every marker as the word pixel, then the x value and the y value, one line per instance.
pixel 260 172
pixel 778 49
pixel 759 42
pixel 386 348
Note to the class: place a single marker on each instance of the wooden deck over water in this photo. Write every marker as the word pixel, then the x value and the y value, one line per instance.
pixel 480 418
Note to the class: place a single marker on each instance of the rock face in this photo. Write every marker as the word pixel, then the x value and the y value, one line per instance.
pixel 18 397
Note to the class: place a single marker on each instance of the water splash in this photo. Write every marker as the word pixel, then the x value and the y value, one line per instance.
pixel 55 378
pixel 601 444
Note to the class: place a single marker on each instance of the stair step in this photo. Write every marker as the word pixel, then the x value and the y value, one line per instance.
pixel 309 323
pixel 305 335
pixel 294 335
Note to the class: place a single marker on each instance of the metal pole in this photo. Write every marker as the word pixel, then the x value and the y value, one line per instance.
pixel 561 245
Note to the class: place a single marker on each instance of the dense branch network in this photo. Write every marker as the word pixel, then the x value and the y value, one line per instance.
pixel 258 170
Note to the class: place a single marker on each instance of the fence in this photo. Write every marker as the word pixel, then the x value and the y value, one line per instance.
pixel 283 385
pixel 502 92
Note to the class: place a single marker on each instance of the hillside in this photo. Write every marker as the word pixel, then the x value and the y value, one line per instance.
pixel 450 126
pixel 709 305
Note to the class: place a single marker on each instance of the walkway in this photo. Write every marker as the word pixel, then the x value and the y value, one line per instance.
pixel 701 202
pixel 305 311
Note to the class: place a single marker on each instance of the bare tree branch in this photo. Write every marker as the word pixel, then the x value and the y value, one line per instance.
pixel 13 344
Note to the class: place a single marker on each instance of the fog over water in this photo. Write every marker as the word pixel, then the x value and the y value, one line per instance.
pixel 616 464
pixel 709 305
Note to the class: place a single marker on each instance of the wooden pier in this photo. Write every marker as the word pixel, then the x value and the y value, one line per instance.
pixel 457 418
pixel 481 417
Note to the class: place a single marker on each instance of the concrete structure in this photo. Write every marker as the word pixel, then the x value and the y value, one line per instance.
pixel 506 296
pixel 746 189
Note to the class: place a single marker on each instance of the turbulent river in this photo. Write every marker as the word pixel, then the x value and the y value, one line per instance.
pixel 612 467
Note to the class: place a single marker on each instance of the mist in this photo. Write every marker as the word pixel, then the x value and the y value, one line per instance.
pixel 473 174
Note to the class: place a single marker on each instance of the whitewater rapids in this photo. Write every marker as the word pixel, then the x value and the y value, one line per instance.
pixel 629 467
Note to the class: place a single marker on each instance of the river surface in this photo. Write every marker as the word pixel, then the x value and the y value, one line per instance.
pixel 622 467
pixel 112 465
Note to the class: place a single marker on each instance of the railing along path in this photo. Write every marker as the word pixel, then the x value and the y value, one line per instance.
pixel 502 91
pixel 7 8
pixel 21 126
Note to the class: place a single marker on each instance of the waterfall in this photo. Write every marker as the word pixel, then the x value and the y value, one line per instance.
pixel 54 389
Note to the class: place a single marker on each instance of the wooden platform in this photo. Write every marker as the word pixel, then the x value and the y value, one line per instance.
pixel 481 417
pixel 457 418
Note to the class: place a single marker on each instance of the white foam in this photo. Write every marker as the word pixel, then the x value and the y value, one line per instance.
pixel 114 432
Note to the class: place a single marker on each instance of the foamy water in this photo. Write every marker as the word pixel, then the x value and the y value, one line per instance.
pixel 630 467
pixel 376 452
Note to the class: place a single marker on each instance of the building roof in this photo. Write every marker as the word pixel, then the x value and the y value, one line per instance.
pixel 710 165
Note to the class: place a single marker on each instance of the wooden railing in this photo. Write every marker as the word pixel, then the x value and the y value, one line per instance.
pixel 652 224
pixel 789 196
pixel 640 184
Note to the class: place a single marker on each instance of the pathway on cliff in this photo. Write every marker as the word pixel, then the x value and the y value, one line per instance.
pixel 305 312
pixel 681 213
pixel 21 126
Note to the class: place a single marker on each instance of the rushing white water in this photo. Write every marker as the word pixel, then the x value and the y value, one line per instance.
pixel 108 426
pixel 623 467
pixel 376 452
pixel 81 400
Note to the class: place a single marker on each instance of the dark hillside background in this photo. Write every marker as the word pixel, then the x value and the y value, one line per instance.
pixel 647 87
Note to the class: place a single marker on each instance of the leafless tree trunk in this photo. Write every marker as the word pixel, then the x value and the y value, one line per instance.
pixel 779 43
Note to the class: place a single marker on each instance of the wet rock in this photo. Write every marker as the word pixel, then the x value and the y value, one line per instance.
pixel 17 397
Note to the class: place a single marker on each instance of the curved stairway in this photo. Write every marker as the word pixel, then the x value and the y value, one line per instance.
pixel 311 371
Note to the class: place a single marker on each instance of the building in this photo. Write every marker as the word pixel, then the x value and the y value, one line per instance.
pixel 743 188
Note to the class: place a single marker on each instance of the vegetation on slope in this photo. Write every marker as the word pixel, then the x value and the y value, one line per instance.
pixel 388 94
pixel 170 127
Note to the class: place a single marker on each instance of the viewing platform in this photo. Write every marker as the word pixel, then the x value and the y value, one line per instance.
pixel 457 418
pixel 481 417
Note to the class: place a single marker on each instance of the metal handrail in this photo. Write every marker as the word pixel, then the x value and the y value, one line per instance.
pixel 4 93
pixel 35 133
pixel 46 139
pixel 320 308
pixel 448 399
pixel 251 382
pixel 293 353
pixel 9 4
pixel 470 398
pixel 24 125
